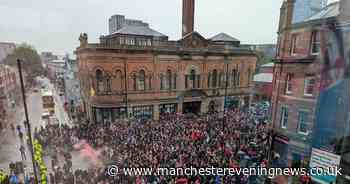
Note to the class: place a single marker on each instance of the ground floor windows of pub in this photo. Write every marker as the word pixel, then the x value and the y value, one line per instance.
pixel 108 114
pixel 168 108
pixel 143 112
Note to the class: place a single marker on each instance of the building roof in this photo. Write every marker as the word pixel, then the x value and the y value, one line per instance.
pixel 224 37
pixel 263 77
pixel 268 65
pixel 332 10
pixel 139 30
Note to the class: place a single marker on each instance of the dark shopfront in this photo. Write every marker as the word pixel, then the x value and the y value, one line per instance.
pixel 192 107
pixel 102 115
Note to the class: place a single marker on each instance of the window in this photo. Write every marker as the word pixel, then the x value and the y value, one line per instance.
pixel 209 79
pixel 122 40
pixel 221 75
pixel 175 78
pixel 193 78
pixel 215 78
pixel 134 78
pixel 161 81
pixel 315 42
pixel 141 80
pixel 293 46
pixel 309 85
pixel 278 47
pixel 169 79
pixel 234 77
pixel 284 117
pixel 119 79
pixel 149 42
pixel 99 80
pixel 302 122
pixel 108 84
pixel 289 86
pixel 249 76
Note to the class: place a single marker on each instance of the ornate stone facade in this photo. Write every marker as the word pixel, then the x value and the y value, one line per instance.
pixel 137 72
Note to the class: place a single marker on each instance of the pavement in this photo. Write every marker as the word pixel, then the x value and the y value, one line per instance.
pixel 10 141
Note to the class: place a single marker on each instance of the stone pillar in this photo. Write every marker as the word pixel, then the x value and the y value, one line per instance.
pixel 129 111
pixel 179 107
pixel 204 105
pixel 156 111
pixel 222 104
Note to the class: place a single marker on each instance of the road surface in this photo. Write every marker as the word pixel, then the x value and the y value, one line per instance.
pixel 10 142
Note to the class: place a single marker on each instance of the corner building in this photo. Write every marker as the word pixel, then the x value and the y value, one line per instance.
pixel 137 72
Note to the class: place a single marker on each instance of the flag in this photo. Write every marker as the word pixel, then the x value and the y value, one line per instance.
pixel 92 92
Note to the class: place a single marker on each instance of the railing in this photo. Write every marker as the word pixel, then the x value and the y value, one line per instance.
pixel 172 46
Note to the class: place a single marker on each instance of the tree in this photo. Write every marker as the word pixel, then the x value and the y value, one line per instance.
pixel 262 59
pixel 31 65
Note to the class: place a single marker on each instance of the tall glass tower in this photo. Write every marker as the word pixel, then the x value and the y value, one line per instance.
pixel 305 8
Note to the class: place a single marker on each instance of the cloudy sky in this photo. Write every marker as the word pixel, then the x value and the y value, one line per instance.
pixel 55 25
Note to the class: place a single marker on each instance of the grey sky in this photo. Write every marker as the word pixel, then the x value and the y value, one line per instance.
pixel 54 25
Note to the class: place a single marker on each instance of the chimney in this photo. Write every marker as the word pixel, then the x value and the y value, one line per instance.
pixel 187 16
pixel 289 13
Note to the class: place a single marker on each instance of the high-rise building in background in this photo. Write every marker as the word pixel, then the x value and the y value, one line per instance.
pixel 306 8
pixel 116 22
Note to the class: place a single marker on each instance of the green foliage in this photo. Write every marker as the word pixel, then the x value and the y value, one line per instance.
pixel 3 177
pixel 31 60
pixel 38 157
pixel 262 59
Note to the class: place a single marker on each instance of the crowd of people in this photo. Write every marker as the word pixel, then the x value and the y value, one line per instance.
pixel 176 141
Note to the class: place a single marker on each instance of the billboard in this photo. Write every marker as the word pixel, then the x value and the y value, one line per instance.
pixel 325 160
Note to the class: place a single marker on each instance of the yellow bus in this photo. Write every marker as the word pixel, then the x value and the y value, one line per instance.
pixel 48 101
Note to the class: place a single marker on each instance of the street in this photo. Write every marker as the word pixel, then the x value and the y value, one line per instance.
pixel 10 141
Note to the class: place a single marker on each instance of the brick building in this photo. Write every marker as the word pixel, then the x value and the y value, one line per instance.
pixel 138 72
pixel 263 82
pixel 9 91
pixel 297 78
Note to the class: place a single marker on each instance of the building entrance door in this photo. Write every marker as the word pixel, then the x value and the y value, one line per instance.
pixel 192 107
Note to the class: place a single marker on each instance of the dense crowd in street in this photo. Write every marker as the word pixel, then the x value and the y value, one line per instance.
pixel 237 140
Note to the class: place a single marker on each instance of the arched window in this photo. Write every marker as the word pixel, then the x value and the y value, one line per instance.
pixel 249 76
pixel 142 80
pixel 108 83
pixel 234 78
pixel 161 81
pixel 193 78
pixel 134 81
pixel 221 79
pixel 209 79
pixel 169 78
pixel 119 79
pixel 99 80
pixel 215 78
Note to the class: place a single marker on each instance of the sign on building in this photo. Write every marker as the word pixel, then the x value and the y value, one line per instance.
pixel 325 160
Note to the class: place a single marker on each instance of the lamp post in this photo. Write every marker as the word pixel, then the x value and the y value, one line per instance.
pixel 26 123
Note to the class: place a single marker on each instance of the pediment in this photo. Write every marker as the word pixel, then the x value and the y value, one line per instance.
pixel 194 40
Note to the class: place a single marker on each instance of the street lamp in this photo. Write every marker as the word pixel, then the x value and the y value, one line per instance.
pixel 26 123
